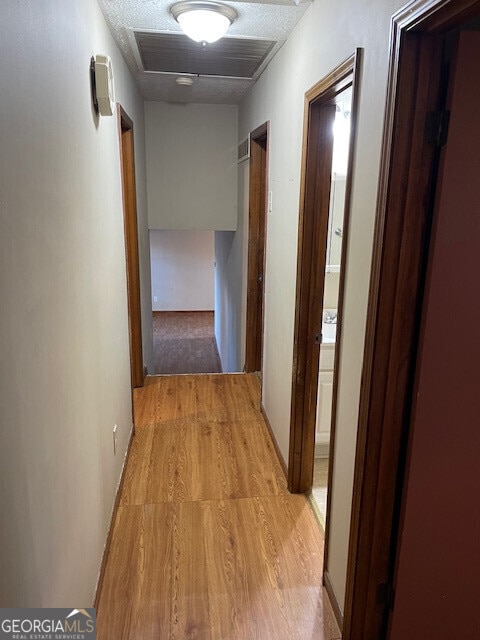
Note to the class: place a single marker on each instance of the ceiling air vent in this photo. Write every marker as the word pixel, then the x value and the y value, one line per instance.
pixel 243 152
pixel 176 53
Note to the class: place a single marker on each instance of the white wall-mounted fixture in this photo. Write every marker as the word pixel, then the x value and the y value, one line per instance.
pixel 203 22
pixel 103 91
pixel 243 150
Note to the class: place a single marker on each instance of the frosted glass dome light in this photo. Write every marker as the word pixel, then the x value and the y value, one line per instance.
pixel 203 21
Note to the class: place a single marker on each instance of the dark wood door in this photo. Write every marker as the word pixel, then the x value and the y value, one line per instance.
pixel 436 590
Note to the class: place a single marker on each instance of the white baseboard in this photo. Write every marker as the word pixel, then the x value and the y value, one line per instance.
pixel 322 449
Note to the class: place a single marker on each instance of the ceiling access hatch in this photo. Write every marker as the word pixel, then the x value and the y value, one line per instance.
pixel 176 53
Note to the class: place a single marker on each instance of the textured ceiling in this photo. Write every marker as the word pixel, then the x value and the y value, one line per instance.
pixel 269 20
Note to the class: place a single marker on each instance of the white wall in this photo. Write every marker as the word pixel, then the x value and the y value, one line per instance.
pixel 331 289
pixel 64 354
pixel 328 33
pixel 191 166
pixel 231 252
pixel 182 270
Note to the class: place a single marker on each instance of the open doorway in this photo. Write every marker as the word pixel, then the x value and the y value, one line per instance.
pixel 331 291
pixel 330 113
pixel 127 156
pixel 396 380
pixel 320 196
pixel 182 270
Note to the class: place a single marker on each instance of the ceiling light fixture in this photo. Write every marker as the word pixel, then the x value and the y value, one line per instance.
pixel 203 22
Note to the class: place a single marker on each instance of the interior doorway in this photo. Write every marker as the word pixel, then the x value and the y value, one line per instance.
pixel 335 97
pixel 444 418
pixel 331 292
pixel 257 212
pixel 127 153
pixel 315 203
pixel 415 138
pixel 182 265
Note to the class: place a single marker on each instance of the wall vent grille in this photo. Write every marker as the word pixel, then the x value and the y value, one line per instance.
pixel 243 150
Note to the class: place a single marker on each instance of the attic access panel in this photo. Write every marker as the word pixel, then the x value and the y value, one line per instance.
pixel 176 53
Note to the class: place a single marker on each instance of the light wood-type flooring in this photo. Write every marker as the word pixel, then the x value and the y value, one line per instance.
pixel 207 541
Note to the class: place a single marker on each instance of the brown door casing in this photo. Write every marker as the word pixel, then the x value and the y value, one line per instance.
pixel 312 246
pixel 131 246
pixel 257 214
pixel 409 163
pixel 438 507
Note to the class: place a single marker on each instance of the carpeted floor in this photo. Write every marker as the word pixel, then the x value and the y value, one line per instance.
pixel 184 342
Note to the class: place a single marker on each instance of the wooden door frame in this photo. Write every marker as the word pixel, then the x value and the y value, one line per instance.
pixel 129 194
pixel 257 225
pixel 403 221
pixel 315 189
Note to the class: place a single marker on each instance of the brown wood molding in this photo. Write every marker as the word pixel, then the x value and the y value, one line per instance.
pixel 434 16
pixel 257 222
pixel 389 340
pixel 260 132
pixel 408 170
pixel 313 227
pixel 127 158
pixel 333 83
pixel 125 123
pixel 116 504
pixel 327 582
pixel 274 440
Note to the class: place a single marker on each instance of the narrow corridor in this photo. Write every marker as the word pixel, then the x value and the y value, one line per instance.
pixel 207 542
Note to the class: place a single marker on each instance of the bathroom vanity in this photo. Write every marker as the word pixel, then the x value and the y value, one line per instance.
pixel 325 384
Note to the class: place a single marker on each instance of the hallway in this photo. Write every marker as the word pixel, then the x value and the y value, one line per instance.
pixel 207 542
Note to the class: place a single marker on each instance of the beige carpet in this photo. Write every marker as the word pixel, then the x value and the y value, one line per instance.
pixel 184 342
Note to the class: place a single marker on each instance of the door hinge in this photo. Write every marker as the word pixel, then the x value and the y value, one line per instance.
pixel 436 127
pixel 386 594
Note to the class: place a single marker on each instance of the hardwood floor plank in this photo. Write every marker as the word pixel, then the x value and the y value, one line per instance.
pixel 211 598
pixel 251 461
pixel 237 572
pixel 227 397
pixel 136 593
pixel 116 603
pixel 288 559
pixel 165 399
pixel 205 397
pixel 152 619
pixel 202 461
pixel 151 473
pixel 252 382
pixel 208 543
